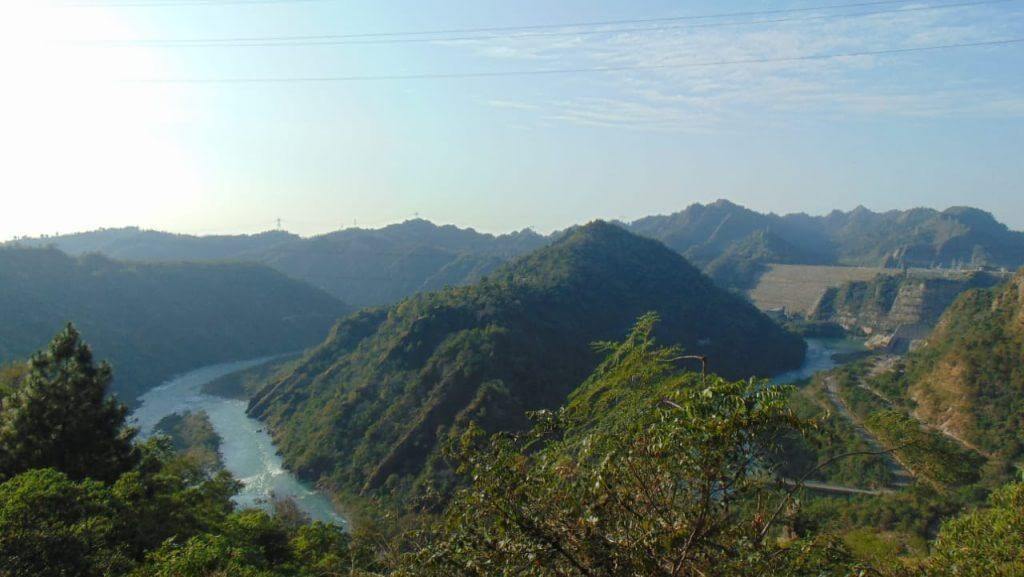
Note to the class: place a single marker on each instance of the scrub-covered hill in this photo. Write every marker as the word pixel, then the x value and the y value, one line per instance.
pixel 969 379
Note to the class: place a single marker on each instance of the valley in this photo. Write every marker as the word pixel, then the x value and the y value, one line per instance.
pixel 246 449
pixel 376 410
pixel 323 288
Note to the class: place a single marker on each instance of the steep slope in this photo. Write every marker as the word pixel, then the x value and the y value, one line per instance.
pixel 369 409
pixel 891 301
pixel 969 379
pixel 155 320
pixel 362 267
pixel 742 262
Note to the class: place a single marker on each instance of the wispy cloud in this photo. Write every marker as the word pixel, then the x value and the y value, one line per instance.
pixel 665 90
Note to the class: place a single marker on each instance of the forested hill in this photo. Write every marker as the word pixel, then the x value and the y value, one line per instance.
pixel 362 267
pixel 919 237
pixel 152 321
pixel 969 379
pixel 369 408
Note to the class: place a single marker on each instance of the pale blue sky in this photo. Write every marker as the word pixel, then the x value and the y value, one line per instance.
pixel 87 145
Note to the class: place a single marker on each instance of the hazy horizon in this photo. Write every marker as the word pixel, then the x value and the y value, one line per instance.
pixel 218 117
pixel 465 226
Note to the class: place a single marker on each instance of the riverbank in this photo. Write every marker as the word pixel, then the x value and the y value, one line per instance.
pixel 822 355
pixel 246 448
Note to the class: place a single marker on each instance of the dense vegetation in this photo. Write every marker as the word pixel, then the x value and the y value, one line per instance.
pixel 362 267
pixel 156 320
pixel 647 470
pixel 79 497
pixel 368 410
pixel 969 380
pixel 192 435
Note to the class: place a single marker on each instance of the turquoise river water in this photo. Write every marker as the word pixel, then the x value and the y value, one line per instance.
pixel 246 448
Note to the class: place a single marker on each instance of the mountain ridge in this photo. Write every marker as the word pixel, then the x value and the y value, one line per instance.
pixel 370 267
pixel 368 410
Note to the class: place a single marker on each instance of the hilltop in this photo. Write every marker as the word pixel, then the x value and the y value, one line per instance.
pixel 369 409
pixel 153 321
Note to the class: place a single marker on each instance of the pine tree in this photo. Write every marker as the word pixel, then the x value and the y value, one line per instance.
pixel 60 417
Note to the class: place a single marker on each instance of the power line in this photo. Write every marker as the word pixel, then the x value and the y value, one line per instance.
pixel 561 71
pixel 355 39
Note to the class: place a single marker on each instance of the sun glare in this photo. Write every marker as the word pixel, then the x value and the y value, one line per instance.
pixel 81 141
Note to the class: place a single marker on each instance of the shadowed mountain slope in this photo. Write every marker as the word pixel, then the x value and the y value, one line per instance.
pixel 362 267
pixel 152 321
pixel 369 409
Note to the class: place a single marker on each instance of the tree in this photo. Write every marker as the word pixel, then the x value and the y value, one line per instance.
pixel 51 525
pixel 985 543
pixel 59 417
pixel 648 471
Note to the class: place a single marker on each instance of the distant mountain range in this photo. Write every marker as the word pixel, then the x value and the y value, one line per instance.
pixel 367 267
pixel 733 243
pixel 153 321
pixel 362 267
pixel 370 408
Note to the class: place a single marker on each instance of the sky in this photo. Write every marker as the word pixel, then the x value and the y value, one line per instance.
pixel 221 116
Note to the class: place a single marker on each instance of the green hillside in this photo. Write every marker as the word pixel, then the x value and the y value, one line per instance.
pixel 969 380
pixel 369 408
pixel 742 262
pixel 152 321
pixel 647 469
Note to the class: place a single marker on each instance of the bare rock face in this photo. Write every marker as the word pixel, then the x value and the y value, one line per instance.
pixel 897 309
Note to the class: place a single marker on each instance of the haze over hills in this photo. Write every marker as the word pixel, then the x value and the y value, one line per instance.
pixel 368 267
pixel 369 409
pixel 152 321
pixel 362 267
pixel 920 237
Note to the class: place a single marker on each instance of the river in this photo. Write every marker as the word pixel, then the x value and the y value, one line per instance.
pixel 249 453
pixel 819 358
pixel 246 448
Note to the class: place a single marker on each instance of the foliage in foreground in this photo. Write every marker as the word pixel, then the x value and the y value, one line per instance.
pixel 79 497
pixel 647 471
